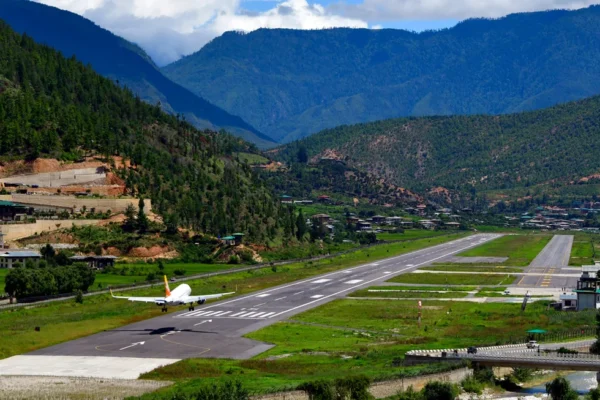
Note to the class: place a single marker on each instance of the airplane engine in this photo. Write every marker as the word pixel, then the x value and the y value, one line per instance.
pixel 158 303
pixel 201 301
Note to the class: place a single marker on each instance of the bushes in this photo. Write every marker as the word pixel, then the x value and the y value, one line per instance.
pixel 472 385
pixel 351 388
pixel 224 390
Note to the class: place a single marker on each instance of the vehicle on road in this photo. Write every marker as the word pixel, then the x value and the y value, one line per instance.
pixel 506 292
pixel 179 296
pixel 472 350
pixel 532 344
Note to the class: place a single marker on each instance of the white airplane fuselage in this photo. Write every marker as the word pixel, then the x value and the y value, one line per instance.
pixel 180 292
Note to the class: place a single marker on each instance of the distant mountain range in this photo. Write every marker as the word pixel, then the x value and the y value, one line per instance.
pixel 290 83
pixel 535 153
pixel 121 61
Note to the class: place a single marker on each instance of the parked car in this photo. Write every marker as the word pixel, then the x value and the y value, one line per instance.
pixel 472 350
pixel 532 344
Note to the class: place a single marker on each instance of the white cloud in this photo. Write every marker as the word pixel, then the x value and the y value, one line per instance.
pixel 168 29
pixel 390 10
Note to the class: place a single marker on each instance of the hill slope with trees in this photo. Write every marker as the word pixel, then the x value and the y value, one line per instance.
pixel 58 107
pixel 122 61
pixel 557 146
pixel 291 83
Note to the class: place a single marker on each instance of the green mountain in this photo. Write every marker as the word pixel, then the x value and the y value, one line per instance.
pixel 53 106
pixel 123 62
pixel 534 151
pixel 291 83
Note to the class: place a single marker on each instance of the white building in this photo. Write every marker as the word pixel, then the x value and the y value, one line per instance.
pixel 10 259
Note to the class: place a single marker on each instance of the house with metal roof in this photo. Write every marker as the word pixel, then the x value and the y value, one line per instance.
pixel 16 258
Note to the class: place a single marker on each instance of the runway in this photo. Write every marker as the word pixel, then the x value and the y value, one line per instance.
pixel 550 264
pixel 216 330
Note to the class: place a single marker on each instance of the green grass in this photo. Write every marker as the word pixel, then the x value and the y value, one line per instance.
pixel 128 274
pixel 426 288
pixel 3 273
pixel 391 292
pixel 370 334
pixel 471 268
pixel 454 279
pixel 251 158
pixel 584 249
pixel 64 320
pixel 520 249
pixel 410 234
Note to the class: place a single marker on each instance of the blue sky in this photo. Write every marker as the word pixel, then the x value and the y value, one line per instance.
pixel 170 29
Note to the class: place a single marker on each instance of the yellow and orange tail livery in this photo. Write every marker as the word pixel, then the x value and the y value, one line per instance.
pixel 167 290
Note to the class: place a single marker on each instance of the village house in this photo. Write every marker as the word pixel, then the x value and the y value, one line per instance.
pixel 321 218
pixel 96 262
pixel 18 258
pixel 363 226
pixel 378 219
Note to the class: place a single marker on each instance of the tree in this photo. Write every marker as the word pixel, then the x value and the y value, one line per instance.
pixel 302 155
pixel 130 223
pixel 595 347
pixel 142 219
pixel 560 389
pixel 48 253
pixel 161 266
pixel 440 391
pixel 594 394
pixel 301 227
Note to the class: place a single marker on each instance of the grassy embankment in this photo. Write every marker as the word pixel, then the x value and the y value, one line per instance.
pixel 585 248
pixel 520 249
pixel 349 337
pixel 66 320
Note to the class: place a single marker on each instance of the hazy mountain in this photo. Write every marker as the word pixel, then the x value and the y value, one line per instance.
pixel 121 61
pixel 291 83
pixel 553 148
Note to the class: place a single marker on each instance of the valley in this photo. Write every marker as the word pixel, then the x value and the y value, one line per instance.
pixel 219 201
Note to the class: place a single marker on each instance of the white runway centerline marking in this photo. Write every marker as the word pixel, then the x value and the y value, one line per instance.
pixel 281 298
pixel 321 280
pixel 316 296
pixel 263 295
pixel 354 281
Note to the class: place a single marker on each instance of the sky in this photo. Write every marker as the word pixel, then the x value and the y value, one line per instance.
pixel 171 29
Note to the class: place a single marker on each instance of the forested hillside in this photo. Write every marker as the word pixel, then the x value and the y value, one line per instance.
pixel 556 146
pixel 50 105
pixel 124 62
pixel 290 83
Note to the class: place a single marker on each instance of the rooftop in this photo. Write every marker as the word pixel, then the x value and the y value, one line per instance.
pixel 83 258
pixel 20 254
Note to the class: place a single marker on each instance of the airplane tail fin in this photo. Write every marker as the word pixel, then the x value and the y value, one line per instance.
pixel 167 290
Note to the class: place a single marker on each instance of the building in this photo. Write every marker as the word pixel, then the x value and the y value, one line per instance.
pixel 238 238
pixel 96 262
pixel 285 199
pixel 16 258
pixel 228 241
pixel 10 211
pixel 321 218
pixel 378 219
pixel 568 301
pixel 324 199
pixel 588 290
pixel 452 225
pixel 364 226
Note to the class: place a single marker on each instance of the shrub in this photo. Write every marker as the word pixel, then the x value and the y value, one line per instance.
pixel 440 391
pixel 179 272
pixel 472 385
pixel 79 297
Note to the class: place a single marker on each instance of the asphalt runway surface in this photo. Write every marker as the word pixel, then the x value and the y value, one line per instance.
pixel 552 260
pixel 215 330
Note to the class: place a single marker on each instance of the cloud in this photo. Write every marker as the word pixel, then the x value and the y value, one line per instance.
pixel 170 29
pixel 387 10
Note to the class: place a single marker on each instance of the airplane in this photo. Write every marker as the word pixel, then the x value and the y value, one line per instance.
pixel 179 296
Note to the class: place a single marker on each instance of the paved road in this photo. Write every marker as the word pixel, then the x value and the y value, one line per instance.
pixel 550 261
pixel 216 330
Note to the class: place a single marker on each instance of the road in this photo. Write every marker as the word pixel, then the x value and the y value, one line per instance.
pixel 547 267
pixel 216 330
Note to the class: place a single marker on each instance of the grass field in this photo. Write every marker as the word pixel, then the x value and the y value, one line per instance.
pixel 426 288
pixel 326 343
pixel 393 293
pixel 454 279
pixel 127 274
pixel 66 320
pixel 410 234
pixel 3 273
pixel 585 247
pixel 471 268
pixel 520 249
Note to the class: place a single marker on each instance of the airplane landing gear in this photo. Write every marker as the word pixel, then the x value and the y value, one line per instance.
pixel 191 307
pixel 164 309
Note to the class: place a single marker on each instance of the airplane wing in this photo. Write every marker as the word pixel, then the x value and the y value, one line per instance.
pixel 191 299
pixel 141 299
